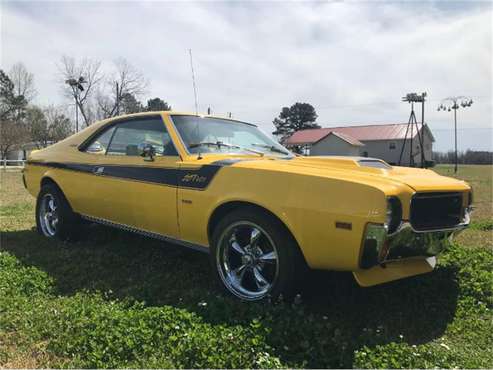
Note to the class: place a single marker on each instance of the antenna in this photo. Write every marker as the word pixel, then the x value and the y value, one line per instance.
pixel 193 81
pixel 199 156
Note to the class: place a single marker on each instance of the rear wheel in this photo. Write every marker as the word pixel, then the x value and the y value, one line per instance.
pixel 255 257
pixel 54 216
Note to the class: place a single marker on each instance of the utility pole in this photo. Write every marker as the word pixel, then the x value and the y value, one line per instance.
pixel 76 85
pixel 452 103
pixel 423 160
pixel 76 117
pixel 117 91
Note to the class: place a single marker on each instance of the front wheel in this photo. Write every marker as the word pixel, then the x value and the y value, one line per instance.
pixel 255 257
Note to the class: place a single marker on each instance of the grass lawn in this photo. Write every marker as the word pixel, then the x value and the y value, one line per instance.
pixel 120 300
pixel 480 177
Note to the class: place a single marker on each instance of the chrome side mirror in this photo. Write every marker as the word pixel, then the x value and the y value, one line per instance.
pixel 148 152
pixel 95 147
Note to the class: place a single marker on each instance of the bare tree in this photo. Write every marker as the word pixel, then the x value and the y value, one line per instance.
pixel 127 81
pixel 23 82
pixel 80 80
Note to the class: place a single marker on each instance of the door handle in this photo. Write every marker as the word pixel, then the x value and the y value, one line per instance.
pixel 98 170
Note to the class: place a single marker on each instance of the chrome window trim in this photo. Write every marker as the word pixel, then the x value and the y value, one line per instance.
pixel 150 234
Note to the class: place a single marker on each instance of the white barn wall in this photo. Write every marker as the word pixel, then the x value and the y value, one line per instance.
pixel 381 149
pixel 333 145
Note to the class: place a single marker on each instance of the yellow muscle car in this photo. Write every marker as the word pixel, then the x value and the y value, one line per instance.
pixel 264 215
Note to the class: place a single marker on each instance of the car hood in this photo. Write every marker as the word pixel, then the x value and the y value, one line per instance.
pixel 358 169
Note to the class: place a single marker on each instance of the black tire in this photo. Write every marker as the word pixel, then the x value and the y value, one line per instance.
pixel 68 222
pixel 291 265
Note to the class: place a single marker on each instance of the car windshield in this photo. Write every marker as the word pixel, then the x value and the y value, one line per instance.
pixel 216 135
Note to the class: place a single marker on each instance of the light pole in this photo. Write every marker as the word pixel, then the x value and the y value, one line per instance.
pixel 415 98
pixel 452 103
pixel 76 85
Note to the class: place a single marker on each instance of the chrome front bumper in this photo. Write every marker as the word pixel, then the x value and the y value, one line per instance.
pixel 379 247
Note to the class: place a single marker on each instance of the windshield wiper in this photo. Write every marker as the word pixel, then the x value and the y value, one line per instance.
pixel 271 148
pixel 220 144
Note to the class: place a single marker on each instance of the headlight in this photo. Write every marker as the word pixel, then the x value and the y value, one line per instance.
pixel 394 214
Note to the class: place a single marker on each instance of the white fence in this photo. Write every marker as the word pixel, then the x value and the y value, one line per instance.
pixel 12 163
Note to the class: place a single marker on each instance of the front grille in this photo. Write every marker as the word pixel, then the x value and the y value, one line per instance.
pixel 431 211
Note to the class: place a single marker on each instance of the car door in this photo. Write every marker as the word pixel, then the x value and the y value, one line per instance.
pixel 130 190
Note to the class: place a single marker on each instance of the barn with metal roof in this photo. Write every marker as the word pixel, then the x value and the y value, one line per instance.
pixel 377 141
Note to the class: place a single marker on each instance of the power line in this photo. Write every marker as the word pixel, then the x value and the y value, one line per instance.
pixel 463 129
pixel 364 104
pixel 384 103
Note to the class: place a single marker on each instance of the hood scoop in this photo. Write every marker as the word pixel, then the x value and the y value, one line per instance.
pixel 344 162
pixel 374 163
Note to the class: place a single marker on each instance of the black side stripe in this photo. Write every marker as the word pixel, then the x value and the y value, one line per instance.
pixel 198 178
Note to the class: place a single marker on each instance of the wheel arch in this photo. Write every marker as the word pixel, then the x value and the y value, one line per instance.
pixel 48 180
pixel 227 207
pixel 45 180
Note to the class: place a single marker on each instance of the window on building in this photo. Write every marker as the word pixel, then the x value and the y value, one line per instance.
pixel 392 146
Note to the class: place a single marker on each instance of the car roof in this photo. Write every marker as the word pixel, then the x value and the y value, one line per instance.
pixel 176 113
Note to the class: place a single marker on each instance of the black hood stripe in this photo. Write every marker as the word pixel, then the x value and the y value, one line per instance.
pixel 197 178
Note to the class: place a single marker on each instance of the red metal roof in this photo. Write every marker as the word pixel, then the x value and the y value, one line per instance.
pixel 349 139
pixel 360 133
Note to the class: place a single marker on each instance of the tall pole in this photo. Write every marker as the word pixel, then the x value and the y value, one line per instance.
pixel 76 117
pixel 452 103
pixel 414 98
pixel 411 157
pixel 76 86
pixel 455 123
pixel 422 133
pixel 117 99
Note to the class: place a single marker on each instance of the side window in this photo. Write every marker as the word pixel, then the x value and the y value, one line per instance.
pixel 131 137
pixel 392 146
pixel 100 143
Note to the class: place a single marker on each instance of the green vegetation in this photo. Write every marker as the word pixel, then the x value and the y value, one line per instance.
pixel 483 225
pixel 119 300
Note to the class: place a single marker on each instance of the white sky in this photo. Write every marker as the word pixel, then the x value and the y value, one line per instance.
pixel 353 61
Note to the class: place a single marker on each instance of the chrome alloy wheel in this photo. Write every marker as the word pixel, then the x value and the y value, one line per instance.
pixel 48 215
pixel 247 260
